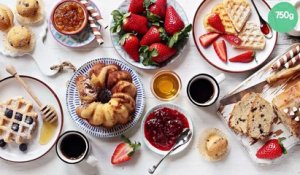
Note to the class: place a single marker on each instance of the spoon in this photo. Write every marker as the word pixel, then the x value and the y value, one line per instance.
pixel 264 26
pixel 182 139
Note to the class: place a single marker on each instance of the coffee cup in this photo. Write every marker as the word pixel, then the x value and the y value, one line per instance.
pixel 73 147
pixel 296 30
pixel 203 90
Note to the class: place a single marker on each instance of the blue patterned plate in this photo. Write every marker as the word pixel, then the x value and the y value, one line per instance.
pixel 115 37
pixel 73 100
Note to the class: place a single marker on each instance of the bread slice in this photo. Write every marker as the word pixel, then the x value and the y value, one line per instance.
pixel 260 119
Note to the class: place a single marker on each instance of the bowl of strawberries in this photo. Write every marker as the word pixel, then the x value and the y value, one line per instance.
pixel 149 34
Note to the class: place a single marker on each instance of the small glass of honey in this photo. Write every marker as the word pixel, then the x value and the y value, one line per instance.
pixel 166 85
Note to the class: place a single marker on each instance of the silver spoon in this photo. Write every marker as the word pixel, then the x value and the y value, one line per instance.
pixel 182 139
pixel 264 26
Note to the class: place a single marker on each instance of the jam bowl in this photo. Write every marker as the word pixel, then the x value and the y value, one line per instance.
pixel 162 125
pixel 69 17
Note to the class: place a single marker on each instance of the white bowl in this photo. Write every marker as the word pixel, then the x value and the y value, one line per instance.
pixel 171 106
pixel 296 30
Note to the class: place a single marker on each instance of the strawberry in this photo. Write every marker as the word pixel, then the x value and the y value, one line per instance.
pixel 245 57
pixel 208 38
pixel 272 149
pixel 124 151
pixel 221 50
pixel 179 36
pixel 232 39
pixel 156 54
pixel 215 21
pixel 156 8
pixel 173 22
pixel 154 35
pixel 129 22
pixel 136 6
pixel 131 45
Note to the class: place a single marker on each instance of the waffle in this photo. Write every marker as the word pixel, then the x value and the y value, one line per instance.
pixel 251 37
pixel 219 9
pixel 18 120
pixel 238 11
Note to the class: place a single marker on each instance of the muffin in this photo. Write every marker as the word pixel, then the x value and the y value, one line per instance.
pixel 213 145
pixel 29 11
pixel 19 39
pixel 6 18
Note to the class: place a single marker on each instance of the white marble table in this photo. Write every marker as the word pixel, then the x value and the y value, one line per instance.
pixel 189 161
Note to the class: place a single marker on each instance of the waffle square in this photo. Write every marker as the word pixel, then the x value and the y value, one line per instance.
pixel 226 21
pixel 18 120
pixel 251 37
pixel 238 11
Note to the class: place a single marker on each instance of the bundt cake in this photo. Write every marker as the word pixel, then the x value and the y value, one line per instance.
pixel 107 95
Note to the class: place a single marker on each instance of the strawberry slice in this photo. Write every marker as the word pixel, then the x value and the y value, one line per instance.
pixel 221 50
pixel 215 21
pixel 208 38
pixel 245 57
pixel 232 39
pixel 272 149
pixel 124 151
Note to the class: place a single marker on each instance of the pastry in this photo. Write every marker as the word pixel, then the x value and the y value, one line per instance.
pixel 213 145
pixel 19 39
pixel 115 100
pixel 18 121
pixel 251 37
pixel 87 92
pixel 29 11
pixel 219 9
pixel 287 107
pixel 6 18
pixel 238 11
pixel 252 116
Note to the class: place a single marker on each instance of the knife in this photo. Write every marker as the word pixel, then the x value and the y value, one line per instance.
pixel 258 88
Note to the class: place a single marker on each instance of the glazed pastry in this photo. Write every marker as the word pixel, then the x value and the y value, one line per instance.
pixel 29 11
pixel 116 76
pixel 125 87
pixel 99 76
pixel 213 145
pixel 18 121
pixel 6 18
pixel 87 92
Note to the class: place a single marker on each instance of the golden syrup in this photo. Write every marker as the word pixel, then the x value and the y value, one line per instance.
pixel 166 85
pixel 47 132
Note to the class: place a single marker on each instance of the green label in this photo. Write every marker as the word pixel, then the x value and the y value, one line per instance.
pixel 283 17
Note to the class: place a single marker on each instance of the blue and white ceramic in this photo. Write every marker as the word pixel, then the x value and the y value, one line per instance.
pixel 115 37
pixel 73 100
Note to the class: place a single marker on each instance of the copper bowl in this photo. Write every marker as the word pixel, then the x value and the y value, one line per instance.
pixel 85 20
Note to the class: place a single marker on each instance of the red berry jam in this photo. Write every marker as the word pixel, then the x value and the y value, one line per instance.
pixel 163 126
pixel 265 29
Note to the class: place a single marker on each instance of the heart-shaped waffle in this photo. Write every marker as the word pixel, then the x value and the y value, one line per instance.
pixel 238 11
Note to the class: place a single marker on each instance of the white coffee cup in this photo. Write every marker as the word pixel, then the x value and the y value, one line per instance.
pixel 194 89
pixel 73 147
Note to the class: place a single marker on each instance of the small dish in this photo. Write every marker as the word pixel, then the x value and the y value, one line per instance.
pixel 296 30
pixel 81 14
pixel 173 107
pixel 166 85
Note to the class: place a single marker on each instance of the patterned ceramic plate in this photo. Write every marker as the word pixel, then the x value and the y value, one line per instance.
pixel 115 37
pixel 82 39
pixel 73 100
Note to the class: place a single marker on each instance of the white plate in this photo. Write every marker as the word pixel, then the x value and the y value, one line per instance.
pixel 10 88
pixel 209 53
pixel 171 106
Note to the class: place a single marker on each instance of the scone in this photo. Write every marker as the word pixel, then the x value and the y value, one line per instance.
pixel 6 18
pixel 29 11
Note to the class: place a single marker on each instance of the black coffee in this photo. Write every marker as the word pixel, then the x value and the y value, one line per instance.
pixel 201 90
pixel 73 146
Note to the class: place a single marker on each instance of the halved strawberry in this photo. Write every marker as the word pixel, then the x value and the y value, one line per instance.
pixel 124 151
pixel 208 38
pixel 245 57
pixel 232 39
pixel 215 21
pixel 221 50
pixel 272 149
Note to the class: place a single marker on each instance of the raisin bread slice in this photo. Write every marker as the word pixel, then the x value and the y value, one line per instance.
pixel 260 119
pixel 238 120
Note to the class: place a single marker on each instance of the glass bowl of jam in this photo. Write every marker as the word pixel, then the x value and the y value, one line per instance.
pixel 69 17
pixel 162 125
pixel 166 85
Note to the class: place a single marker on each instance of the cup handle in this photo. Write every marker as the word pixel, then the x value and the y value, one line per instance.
pixel 91 160
pixel 220 78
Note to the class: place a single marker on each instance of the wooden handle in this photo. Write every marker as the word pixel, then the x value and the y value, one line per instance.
pixel 286 73
pixel 11 70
